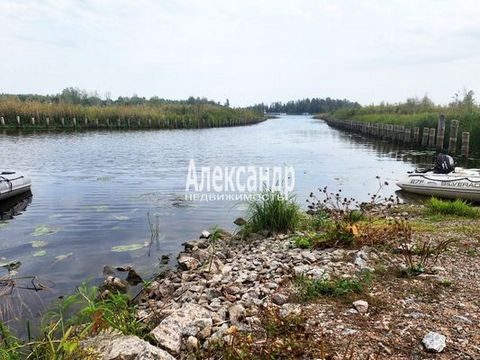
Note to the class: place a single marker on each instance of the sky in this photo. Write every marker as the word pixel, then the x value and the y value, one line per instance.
pixel 248 51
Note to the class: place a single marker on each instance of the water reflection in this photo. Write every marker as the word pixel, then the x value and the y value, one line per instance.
pixel 15 205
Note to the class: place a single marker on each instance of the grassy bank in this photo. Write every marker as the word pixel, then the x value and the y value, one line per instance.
pixel 349 254
pixel 175 115
pixel 420 113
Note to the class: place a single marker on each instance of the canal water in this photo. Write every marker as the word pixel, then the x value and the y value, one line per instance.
pixel 92 192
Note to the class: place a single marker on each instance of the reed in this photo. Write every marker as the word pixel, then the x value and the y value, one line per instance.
pixel 161 116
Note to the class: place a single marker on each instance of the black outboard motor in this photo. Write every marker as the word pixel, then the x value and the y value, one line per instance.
pixel 444 165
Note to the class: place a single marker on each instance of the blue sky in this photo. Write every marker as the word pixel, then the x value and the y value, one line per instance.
pixel 246 50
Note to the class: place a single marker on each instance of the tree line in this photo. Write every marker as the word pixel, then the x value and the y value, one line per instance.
pixel 311 106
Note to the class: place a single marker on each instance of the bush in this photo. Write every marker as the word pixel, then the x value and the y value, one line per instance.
pixel 273 213
pixel 458 208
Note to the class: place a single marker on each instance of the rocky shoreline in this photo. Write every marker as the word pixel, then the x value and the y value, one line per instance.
pixel 221 290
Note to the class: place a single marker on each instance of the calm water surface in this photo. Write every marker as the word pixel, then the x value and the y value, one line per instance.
pixel 92 191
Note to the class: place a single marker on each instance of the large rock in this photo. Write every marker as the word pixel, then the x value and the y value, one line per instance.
pixel 188 320
pixel 434 342
pixel 361 306
pixel 187 262
pixel 121 347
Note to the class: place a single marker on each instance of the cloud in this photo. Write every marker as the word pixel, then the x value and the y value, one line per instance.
pixel 246 50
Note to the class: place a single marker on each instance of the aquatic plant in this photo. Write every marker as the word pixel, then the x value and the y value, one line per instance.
pixel 154 115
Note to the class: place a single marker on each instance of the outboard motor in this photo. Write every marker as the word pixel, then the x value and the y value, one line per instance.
pixel 444 165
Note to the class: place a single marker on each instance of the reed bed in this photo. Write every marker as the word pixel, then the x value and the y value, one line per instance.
pixel 163 116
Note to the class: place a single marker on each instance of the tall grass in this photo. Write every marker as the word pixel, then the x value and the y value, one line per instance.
pixel 160 115
pixel 458 208
pixel 273 213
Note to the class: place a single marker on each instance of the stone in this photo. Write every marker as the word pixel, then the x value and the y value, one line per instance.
pixel 434 342
pixel 187 262
pixel 120 347
pixel 361 259
pixel 288 310
pixel 205 234
pixel 201 244
pixel 184 321
pixel 239 221
pixel 191 344
pixel 279 299
pixel 236 314
pixel 361 306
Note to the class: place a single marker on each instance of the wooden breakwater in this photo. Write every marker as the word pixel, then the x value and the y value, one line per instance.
pixel 73 123
pixel 425 137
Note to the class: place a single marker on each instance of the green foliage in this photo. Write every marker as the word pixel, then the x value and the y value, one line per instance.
pixel 302 242
pixel 192 113
pixel 273 213
pixel 312 106
pixel 71 320
pixel 445 207
pixel 311 289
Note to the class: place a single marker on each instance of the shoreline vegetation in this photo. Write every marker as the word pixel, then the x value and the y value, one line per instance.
pixel 421 113
pixel 77 109
pixel 341 280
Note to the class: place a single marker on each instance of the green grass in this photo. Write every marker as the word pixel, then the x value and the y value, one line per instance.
pixel 273 213
pixel 458 207
pixel 310 289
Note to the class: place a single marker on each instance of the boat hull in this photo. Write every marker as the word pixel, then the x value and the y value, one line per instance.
pixel 13 184
pixel 444 186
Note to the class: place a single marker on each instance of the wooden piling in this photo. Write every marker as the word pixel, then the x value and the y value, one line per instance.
pixel 33 121
pixel 2 121
pixel 47 122
pixel 86 122
pixel 425 132
pixel 452 142
pixel 149 123
pixel 62 121
pixel 19 122
pixel 118 123
pixel 408 136
pixel 108 122
pixel 431 137
pixel 74 121
pixel 416 135
pixel 401 133
pixel 465 143
pixel 96 123
pixel 441 132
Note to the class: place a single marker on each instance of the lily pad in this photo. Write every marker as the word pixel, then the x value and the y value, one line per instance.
pixel 121 217
pixel 124 248
pixel 3 225
pixel 97 208
pixel 43 230
pixel 39 243
pixel 40 253
pixel 63 257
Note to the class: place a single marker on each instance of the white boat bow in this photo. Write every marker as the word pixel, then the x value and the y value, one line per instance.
pixel 12 183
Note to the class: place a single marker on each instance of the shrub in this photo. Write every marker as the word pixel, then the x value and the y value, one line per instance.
pixel 273 213
pixel 458 208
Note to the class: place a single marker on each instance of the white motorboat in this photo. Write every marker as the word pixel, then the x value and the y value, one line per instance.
pixel 460 184
pixel 12 183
